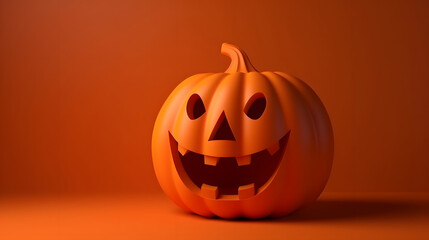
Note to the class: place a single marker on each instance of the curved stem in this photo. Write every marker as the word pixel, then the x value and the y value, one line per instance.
pixel 239 60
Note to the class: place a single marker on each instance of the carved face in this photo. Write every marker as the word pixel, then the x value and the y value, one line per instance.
pixel 214 155
pixel 242 143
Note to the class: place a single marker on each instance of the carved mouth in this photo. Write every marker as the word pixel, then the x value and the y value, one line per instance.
pixel 228 177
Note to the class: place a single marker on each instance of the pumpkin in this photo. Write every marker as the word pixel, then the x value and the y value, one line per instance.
pixel 242 143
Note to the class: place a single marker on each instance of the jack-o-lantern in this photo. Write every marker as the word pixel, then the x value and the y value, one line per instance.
pixel 242 143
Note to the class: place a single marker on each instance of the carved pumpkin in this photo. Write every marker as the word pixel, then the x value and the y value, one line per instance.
pixel 242 143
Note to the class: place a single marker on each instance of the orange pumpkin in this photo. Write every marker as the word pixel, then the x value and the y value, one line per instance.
pixel 242 143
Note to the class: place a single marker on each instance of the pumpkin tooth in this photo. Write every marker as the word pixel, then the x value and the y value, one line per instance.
pixel 209 160
pixel 246 191
pixel 209 191
pixel 274 148
pixel 243 161
pixel 182 150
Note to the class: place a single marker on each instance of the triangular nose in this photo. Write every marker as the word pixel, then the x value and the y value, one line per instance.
pixel 222 130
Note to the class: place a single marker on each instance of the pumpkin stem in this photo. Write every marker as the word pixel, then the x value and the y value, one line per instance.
pixel 239 60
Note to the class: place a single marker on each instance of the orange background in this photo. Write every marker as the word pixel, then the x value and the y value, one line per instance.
pixel 81 83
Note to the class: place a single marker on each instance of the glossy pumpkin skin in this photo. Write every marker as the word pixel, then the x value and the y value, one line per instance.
pixel 292 108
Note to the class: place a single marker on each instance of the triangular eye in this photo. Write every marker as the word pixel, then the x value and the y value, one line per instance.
pixel 255 107
pixel 195 107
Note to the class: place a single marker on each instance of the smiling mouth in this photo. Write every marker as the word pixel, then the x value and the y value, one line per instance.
pixel 228 177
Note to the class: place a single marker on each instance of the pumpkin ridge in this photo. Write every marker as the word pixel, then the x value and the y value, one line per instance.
pixel 209 103
pixel 309 106
pixel 306 106
pixel 211 97
pixel 274 89
pixel 320 117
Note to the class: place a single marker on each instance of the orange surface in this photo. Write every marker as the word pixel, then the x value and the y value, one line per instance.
pixel 82 82
pixel 334 216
